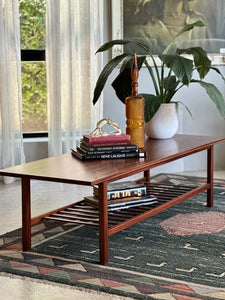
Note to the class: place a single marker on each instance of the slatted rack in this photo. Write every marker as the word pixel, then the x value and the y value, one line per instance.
pixel 83 214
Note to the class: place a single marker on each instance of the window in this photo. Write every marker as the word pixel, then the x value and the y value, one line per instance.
pixel 34 86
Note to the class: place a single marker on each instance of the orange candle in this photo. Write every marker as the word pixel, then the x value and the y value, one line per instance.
pixel 135 106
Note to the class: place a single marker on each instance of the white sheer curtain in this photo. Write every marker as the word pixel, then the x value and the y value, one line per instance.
pixel 73 34
pixel 11 143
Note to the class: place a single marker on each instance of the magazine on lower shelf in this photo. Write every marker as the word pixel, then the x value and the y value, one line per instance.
pixel 133 205
pixel 122 203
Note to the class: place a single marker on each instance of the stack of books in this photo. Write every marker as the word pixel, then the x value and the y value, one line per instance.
pixel 122 195
pixel 106 147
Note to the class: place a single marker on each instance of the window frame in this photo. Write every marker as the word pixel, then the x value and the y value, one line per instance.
pixel 33 55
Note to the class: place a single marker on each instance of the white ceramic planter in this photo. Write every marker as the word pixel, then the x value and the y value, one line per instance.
pixel 164 123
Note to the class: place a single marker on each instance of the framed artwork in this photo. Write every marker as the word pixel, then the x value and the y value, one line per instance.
pixel 158 21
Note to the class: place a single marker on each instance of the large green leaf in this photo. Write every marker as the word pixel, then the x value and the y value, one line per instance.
pixel 105 74
pixel 152 104
pixel 188 27
pixel 181 66
pixel 214 94
pixel 201 60
pixel 170 84
pixel 122 83
pixel 155 78
pixel 218 71
pixel 112 43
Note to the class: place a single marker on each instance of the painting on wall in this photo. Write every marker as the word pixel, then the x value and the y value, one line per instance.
pixel 158 21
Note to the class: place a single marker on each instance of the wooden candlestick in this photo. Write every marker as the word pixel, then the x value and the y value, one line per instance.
pixel 135 106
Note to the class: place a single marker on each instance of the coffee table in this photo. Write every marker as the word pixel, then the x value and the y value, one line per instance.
pixel 67 169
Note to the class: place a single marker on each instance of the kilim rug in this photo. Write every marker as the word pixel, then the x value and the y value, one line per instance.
pixel 177 254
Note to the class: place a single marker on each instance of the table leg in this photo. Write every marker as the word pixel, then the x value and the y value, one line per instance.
pixel 210 176
pixel 103 224
pixel 26 214
pixel 147 176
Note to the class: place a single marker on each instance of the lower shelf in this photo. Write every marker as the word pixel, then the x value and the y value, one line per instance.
pixel 83 214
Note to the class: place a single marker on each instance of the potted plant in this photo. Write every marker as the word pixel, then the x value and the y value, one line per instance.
pixel 176 71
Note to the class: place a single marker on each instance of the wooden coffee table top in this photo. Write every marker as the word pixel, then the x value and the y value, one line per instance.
pixel 66 168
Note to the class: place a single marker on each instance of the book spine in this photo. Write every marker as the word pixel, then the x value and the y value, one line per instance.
pixel 134 201
pixel 119 194
pixel 122 205
pixel 110 156
pixel 106 139
pixel 96 152
pixel 112 195
pixel 108 144
pixel 133 205
pixel 113 147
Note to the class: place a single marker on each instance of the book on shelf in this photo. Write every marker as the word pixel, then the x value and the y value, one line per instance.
pixel 133 205
pixel 106 139
pixel 112 155
pixel 123 189
pixel 123 203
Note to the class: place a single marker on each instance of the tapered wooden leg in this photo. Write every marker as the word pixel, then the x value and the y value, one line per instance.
pixel 210 176
pixel 26 214
pixel 103 224
pixel 147 175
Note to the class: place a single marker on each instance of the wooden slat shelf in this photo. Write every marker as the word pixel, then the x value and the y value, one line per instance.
pixel 81 213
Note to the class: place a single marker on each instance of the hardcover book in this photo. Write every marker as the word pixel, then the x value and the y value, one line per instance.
pixel 104 144
pixel 151 202
pixel 122 203
pixel 118 190
pixel 113 139
pixel 81 150
pixel 106 149
pixel 114 155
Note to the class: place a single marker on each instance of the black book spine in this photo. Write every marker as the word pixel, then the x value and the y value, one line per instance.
pixel 97 152
pixel 133 205
pixel 132 202
pixel 124 204
pixel 126 193
pixel 114 148
pixel 120 194
pixel 109 156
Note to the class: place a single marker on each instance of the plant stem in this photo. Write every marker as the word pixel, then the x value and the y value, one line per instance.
pixel 153 76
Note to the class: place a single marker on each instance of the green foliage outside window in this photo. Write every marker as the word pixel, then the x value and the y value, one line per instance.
pixel 32 31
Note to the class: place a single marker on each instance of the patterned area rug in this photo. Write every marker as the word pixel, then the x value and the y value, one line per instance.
pixel 177 254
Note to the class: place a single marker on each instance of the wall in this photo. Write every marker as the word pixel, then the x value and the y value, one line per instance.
pixel 35 149
pixel 206 120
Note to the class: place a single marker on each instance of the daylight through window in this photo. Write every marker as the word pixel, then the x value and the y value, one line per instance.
pixel 34 86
